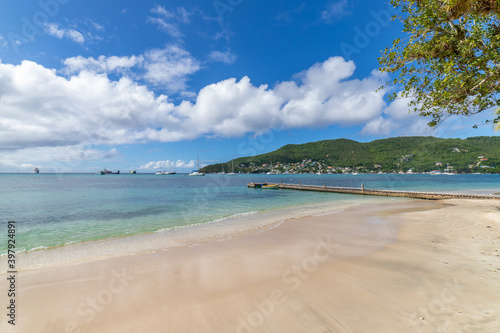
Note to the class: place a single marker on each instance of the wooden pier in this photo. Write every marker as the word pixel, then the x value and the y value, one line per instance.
pixel 388 193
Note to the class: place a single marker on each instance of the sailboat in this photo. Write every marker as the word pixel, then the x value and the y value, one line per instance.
pixel 232 173
pixel 272 170
pixel 222 173
pixel 197 172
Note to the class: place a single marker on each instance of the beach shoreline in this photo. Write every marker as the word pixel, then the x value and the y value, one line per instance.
pixel 239 225
pixel 412 266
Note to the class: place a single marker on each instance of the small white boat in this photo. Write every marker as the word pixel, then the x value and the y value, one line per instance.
pixel 197 173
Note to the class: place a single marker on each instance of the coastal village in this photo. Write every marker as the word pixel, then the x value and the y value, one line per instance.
pixel 399 155
pixel 323 167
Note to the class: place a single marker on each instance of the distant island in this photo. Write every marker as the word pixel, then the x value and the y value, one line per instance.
pixel 392 155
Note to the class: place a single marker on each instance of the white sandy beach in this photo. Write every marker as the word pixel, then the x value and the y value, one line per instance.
pixel 413 266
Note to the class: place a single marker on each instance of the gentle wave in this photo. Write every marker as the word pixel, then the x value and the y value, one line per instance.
pixel 213 221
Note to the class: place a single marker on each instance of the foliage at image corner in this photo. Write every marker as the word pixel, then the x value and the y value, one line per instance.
pixel 449 63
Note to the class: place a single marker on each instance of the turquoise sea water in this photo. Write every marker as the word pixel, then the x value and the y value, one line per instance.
pixel 57 209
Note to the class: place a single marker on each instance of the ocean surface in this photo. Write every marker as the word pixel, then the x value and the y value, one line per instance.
pixel 53 210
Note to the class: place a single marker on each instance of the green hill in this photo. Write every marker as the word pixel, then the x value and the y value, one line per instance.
pixel 421 154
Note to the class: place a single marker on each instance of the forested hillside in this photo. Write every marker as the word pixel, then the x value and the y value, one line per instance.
pixel 421 154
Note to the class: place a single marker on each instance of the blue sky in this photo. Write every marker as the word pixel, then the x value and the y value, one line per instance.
pixel 148 85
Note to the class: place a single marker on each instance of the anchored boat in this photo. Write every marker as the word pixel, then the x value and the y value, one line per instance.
pixel 107 172
pixel 197 172
pixel 271 186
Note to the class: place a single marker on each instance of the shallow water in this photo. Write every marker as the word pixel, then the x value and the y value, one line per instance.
pixel 52 210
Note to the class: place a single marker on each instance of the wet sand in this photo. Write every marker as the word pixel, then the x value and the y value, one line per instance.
pixel 413 266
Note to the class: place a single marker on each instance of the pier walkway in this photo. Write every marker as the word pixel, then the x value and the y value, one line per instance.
pixel 387 193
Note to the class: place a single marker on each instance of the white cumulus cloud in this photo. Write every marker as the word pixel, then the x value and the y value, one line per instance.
pixel 102 64
pixel 54 30
pixel 168 68
pixel 397 119
pixel 40 108
pixel 168 165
